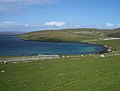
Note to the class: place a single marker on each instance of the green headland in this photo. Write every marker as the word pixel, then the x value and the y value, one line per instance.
pixel 71 35
pixel 93 72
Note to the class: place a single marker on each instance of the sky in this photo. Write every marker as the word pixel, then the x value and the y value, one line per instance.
pixel 32 15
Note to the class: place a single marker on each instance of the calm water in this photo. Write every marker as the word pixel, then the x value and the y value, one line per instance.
pixel 12 46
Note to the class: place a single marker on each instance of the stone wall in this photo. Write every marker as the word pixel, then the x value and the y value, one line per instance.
pixel 38 57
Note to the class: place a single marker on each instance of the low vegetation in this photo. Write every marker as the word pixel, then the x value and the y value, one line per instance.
pixel 73 73
pixel 70 35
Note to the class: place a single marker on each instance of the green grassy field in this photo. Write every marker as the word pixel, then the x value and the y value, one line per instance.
pixel 73 73
pixel 87 73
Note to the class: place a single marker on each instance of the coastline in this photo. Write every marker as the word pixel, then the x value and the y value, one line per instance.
pixel 105 49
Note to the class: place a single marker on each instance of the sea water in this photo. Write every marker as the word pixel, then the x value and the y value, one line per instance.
pixel 10 45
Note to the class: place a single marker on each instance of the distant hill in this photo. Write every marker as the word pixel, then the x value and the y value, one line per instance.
pixel 70 35
pixel 116 33
pixel 10 33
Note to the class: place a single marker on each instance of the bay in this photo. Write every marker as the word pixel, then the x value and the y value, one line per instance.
pixel 10 45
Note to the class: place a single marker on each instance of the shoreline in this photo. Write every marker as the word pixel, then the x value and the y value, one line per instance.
pixel 5 59
pixel 105 48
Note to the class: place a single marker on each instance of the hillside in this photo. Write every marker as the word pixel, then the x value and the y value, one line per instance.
pixel 71 35
pixel 116 33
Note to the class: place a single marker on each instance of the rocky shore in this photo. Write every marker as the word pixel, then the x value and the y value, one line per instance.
pixel 38 57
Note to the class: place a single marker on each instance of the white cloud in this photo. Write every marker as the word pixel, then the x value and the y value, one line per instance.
pixel 7 24
pixel 77 25
pixel 26 25
pixel 118 24
pixel 54 23
pixel 110 25
pixel 27 1
pixel 15 5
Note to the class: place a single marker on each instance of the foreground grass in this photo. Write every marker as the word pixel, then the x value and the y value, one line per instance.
pixel 88 73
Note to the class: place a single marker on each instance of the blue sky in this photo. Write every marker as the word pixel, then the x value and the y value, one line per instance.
pixel 29 15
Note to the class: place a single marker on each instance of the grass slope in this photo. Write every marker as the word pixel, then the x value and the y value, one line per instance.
pixel 88 73
pixel 70 35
